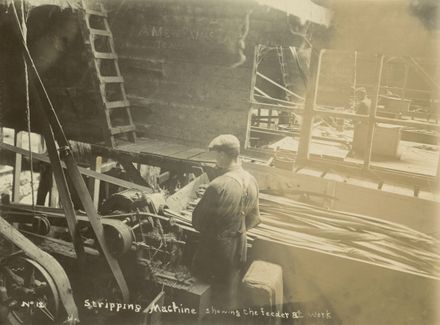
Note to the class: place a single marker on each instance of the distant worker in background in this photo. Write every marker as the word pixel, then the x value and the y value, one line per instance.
pixel 228 208
pixel 362 103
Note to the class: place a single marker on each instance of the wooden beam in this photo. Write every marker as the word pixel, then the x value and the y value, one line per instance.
pixel 54 196
pixel 293 133
pixel 262 93
pixel 94 183
pixel 64 192
pixel 438 174
pixel 372 113
pixel 251 97
pixel 132 172
pixel 84 171
pixel 254 73
pixel 427 77
pixel 405 81
pixel 415 124
pixel 281 108
pixel 351 116
pixel 154 159
pixel 152 317
pixel 276 100
pixel 355 72
pixel 278 85
pixel 310 102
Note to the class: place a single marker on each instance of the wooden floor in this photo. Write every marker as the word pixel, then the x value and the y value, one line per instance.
pixel 163 153
pixel 167 149
pixel 414 159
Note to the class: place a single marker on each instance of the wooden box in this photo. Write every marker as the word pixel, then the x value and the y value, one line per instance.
pixel 262 289
pixel 386 140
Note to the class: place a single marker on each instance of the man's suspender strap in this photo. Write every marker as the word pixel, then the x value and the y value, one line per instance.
pixel 241 181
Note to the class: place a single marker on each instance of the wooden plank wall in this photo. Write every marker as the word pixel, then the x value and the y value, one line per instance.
pixel 188 65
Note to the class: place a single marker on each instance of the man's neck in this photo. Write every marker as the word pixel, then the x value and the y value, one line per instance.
pixel 233 165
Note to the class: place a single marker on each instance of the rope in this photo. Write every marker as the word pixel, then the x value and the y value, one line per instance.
pixel 28 111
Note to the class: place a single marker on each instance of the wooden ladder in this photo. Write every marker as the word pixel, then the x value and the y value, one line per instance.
pixel 284 69
pixel 112 97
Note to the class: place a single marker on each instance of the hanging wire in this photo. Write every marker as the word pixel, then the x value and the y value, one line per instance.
pixel 28 111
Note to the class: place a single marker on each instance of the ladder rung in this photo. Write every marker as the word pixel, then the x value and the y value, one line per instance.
pixel 112 79
pixel 96 12
pixel 102 32
pixel 117 104
pixel 104 55
pixel 122 129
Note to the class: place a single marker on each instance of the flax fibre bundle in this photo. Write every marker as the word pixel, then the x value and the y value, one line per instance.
pixel 347 235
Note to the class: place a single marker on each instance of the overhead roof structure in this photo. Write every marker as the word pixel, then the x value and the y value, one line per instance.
pixel 59 3
pixel 305 10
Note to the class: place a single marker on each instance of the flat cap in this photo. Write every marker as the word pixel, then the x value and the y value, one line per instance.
pixel 227 143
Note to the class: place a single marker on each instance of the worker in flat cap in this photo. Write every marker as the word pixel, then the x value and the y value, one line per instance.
pixel 228 208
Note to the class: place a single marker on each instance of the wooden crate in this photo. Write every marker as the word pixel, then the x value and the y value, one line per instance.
pixel 386 140
pixel 262 288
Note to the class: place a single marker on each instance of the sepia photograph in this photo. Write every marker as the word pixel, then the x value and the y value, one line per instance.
pixel 192 162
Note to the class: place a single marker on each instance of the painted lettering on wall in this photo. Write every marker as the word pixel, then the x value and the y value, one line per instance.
pixel 206 34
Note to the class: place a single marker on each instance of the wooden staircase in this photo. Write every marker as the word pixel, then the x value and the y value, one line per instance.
pixel 107 77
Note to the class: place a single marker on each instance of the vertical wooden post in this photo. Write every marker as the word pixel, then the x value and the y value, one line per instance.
pixel 438 174
pixel 254 73
pixel 106 189
pixel 310 101
pixel 405 81
pixel 372 116
pixel 95 184
pixel 355 72
pixel 54 196
pixel 269 119
pixel 18 141
pixel 41 145
pixel 251 98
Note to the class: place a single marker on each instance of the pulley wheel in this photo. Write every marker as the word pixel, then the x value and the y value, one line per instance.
pixel 41 225
pixel 118 236
pixel 32 297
